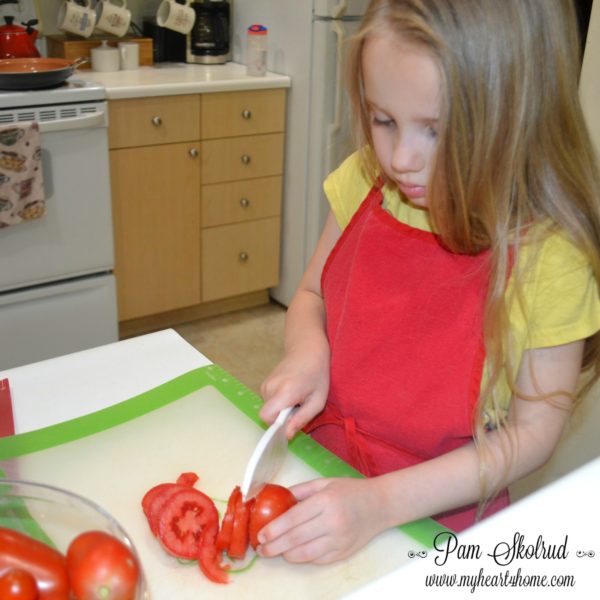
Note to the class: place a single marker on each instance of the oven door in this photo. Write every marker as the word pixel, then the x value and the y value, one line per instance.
pixel 74 238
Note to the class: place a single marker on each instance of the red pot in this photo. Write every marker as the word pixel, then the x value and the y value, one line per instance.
pixel 17 41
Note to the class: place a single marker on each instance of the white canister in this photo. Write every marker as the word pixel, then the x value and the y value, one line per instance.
pixel 129 55
pixel 105 58
pixel 256 51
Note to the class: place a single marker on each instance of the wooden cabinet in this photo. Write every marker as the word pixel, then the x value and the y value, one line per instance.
pixel 196 184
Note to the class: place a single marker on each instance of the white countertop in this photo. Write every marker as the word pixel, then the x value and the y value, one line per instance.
pixel 167 79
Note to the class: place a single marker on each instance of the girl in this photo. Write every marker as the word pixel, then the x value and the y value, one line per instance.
pixel 438 334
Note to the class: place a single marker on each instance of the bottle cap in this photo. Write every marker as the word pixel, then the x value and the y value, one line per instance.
pixel 257 30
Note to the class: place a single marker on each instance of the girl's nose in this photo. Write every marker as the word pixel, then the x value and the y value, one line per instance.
pixel 406 156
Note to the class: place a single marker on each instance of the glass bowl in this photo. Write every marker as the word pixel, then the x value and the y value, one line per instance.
pixel 56 516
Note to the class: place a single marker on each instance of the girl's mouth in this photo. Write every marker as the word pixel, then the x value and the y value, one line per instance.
pixel 412 191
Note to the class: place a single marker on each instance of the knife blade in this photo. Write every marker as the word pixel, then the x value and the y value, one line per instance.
pixel 268 456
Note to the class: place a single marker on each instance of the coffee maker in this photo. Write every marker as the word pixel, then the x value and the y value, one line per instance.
pixel 208 42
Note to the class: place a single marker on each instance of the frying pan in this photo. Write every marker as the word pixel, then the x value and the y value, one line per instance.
pixel 35 73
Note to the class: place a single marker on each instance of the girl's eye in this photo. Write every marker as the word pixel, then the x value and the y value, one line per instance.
pixel 431 132
pixel 382 121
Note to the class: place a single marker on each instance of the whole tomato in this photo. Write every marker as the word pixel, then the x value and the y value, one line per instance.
pixel 101 567
pixel 273 500
pixel 45 564
pixel 18 584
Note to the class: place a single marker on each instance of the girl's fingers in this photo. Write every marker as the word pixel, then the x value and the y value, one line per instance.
pixel 303 490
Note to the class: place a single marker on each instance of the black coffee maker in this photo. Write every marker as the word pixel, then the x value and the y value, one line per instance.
pixel 208 42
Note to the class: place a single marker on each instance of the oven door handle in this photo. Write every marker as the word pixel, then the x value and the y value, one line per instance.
pixel 97 119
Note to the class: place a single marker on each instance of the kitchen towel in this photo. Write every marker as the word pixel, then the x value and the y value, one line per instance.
pixel 21 181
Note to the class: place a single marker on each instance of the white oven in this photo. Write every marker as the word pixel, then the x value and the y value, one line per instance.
pixel 57 289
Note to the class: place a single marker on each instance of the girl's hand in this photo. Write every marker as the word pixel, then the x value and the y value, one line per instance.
pixel 333 519
pixel 297 380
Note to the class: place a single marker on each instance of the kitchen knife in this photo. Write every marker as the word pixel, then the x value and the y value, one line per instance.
pixel 268 456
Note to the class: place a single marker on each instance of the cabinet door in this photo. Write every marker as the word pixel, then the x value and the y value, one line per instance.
pixel 156 206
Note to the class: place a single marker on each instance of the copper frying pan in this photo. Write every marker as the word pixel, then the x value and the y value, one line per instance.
pixel 35 73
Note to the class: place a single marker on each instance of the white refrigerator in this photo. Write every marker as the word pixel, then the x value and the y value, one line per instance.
pixel 306 40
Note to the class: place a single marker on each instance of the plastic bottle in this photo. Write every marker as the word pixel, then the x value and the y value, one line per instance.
pixel 256 57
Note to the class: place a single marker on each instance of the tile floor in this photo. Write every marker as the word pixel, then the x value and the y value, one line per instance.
pixel 246 343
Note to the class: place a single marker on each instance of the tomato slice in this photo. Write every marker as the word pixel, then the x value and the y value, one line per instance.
pixel 224 535
pixel 239 534
pixel 156 502
pixel 181 520
pixel 150 497
pixel 188 478
pixel 209 559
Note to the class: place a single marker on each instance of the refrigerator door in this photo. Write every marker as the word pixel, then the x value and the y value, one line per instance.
pixel 330 131
pixel 339 9
pixel 51 320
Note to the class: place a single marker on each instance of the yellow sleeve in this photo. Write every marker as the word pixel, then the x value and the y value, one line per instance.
pixel 346 188
pixel 561 296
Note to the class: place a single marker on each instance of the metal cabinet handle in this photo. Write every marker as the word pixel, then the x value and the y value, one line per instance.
pixel 156 121
pixel 244 202
pixel 243 256
pixel 246 159
pixel 194 152
pixel 246 114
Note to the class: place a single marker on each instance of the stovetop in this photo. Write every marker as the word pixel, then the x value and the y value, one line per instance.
pixel 72 91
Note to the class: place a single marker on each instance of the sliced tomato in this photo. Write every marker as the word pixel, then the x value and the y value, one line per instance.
pixel 224 535
pixel 151 495
pixel 239 534
pixel 158 500
pixel 181 520
pixel 273 500
pixel 188 478
pixel 209 559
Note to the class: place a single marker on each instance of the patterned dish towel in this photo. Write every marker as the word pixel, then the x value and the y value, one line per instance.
pixel 21 181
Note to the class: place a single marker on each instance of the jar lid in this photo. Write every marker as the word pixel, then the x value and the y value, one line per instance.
pixel 257 30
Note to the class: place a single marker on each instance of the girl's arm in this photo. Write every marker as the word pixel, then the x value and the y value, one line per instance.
pixel 302 377
pixel 336 517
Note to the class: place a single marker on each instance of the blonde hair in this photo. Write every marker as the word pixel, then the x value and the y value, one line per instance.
pixel 513 147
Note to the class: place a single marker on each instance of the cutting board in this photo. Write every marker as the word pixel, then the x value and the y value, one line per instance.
pixel 206 422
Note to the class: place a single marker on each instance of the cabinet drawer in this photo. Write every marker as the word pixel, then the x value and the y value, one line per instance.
pixel 240 258
pixel 247 157
pixel 150 121
pixel 224 203
pixel 230 114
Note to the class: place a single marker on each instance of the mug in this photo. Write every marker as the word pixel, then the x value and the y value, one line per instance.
pixel 129 53
pixel 112 18
pixel 178 17
pixel 77 19
pixel 105 58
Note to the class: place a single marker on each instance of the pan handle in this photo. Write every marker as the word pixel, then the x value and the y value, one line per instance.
pixel 80 61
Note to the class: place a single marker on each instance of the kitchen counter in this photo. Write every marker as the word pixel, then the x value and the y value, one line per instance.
pixel 168 79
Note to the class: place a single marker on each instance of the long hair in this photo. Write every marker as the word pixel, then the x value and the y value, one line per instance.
pixel 513 148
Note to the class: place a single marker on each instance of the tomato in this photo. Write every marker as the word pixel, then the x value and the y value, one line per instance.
pixel 101 567
pixel 47 565
pixel 188 479
pixel 209 559
pixel 17 584
pixel 182 518
pixel 272 501
pixel 224 535
pixel 239 534
pixel 155 499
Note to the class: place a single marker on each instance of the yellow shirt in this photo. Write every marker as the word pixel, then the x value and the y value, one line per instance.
pixel 560 295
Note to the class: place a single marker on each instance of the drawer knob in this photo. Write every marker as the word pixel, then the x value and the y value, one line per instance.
pixel 156 121
pixel 246 159
pixel 194 152
pixel 244 202
pixel 243 257
pixel 247 114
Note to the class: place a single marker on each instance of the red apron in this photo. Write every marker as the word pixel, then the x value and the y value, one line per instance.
pixel 404 323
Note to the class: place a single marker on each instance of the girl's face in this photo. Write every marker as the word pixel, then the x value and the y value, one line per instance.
pixel 402 89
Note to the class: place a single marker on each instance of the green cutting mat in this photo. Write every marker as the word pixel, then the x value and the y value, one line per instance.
pixel 304 447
